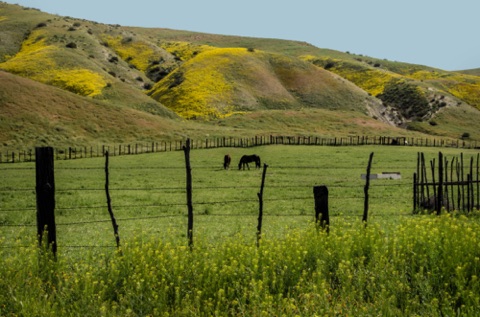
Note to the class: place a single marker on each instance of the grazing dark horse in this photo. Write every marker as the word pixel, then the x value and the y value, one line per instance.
pixel 249 159
pixel 226 161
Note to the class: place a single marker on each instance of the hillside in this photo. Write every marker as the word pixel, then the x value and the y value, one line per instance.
pixel 69 80
pixel 474 72
pixel 36 114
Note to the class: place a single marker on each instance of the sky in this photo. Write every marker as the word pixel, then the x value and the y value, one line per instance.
pixel 437 33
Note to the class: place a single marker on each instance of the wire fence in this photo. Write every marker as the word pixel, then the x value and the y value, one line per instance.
pixel 84 205
pixel 76 152
pixel 151 198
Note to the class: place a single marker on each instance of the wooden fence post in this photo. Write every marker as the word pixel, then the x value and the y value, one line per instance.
pixel 415 192
pixel 322 218
pixel 367 185
pixel 186 150
pixel 260 202
pixel 478 183
pixel 440 184
pixel 45 192
pixel 109 203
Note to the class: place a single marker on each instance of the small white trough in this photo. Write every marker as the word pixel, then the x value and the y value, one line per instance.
pixel 384 175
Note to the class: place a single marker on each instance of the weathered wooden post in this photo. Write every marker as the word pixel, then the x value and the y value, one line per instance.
pixel 434 186
pixel 365 190
pixel 260 202
pixel 415 194
pixel 186 150
pixel 440 184
pixel 478 182
pixel 45 192
pixel 109 203
pixel 322 218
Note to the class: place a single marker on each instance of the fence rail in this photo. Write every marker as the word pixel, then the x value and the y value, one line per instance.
pixel 75 152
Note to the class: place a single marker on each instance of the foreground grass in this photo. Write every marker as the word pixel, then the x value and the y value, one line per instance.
pixel 425 266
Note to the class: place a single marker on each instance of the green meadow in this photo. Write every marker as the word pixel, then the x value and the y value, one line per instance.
pixel 399 264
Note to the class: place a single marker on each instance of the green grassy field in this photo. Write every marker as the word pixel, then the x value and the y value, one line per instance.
pixel 402 264
pixel 148 191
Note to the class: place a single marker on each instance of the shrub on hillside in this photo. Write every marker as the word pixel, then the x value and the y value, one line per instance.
pixel 329 65
pixel 406 97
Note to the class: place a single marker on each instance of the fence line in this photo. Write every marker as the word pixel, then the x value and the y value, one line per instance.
pixel 181 190
pixel 76 152
pixel 182 203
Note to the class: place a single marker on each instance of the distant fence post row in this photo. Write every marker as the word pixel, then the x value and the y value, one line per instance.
pixel 447 186
pixel 166 146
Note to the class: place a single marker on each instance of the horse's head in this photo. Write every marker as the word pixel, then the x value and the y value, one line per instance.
pixel 257 161
pixel 226 161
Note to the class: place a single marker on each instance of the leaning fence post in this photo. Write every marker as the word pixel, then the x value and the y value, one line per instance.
pixel 322 218
pixel 45 192
pixel 186 150
pixel 109 203
pixel 260 201
pixel 367 185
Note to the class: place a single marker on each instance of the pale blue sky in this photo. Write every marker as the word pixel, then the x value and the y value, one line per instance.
pixel 437 33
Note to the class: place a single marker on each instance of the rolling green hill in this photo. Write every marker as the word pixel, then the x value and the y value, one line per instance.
pixel 67 80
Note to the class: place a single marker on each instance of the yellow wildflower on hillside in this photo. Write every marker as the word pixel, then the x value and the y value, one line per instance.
pixel 185 50
pixel 464 87
pixel 80 81
pixel 468 92
pixel 35 61
pixel 34 58
pixel 199 88
pixel 138 53
pixel 370 79
pixel 425 75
